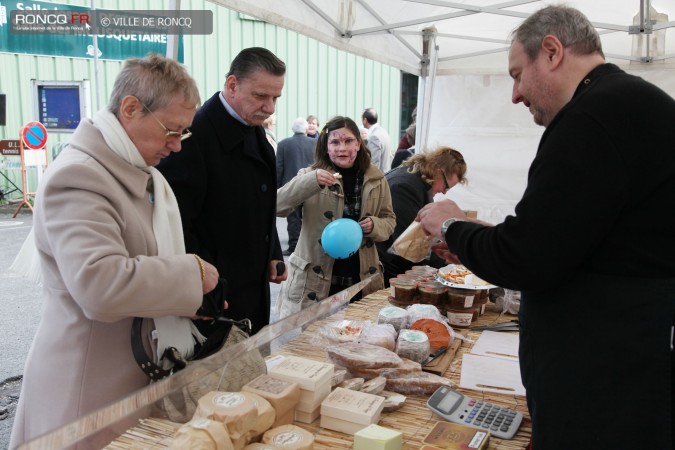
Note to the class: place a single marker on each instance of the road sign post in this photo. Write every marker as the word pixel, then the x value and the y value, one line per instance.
pixel 34 136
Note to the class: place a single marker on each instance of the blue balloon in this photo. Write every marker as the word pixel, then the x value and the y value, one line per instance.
pixel 341 238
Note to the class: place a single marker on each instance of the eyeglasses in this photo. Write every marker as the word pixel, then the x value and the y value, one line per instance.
pixel 186 133
pixel 445 183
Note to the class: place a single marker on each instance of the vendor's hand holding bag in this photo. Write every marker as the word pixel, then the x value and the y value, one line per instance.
pixel 208 338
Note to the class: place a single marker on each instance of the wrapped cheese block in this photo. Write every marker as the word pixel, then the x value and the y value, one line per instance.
pixel 439 333
pixel 355 384
pixel 202 434
pixel 339 375
pixel 266 416
pixel 310 400
pixel 405 368
pixel 365 356
pixel 307 373
pixel 282 395
pixel 392 400
pixel 307 416
pixel 261 446
pixel 349 411
pixel 233 409
pixel 289 437
pixel 420 311
pixel 393 315
pixel 338 332
pixel 374 385
pixel 413 345
pixel 383 335
pixel 423 384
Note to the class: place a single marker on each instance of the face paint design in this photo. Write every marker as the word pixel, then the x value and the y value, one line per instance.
pixel 342 147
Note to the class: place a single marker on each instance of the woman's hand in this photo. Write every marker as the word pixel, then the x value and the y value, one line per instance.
pixel 367 225
pixel 210 277
pixel 325 178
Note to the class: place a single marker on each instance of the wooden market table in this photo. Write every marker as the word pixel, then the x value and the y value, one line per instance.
pixel 414 419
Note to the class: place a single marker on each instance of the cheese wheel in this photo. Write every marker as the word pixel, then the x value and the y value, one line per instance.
pixel 412 344
pixel 393 315
pixel 289 437
pixel 437 332
pixel 266 415
pixel 201 434
pixel 366 356
pixel 233 409
pixel 382 334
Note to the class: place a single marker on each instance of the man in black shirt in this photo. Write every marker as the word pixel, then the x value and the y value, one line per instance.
pixel 591 244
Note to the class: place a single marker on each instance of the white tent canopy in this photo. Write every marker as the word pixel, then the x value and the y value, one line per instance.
pixel 471 35
pixel 459 49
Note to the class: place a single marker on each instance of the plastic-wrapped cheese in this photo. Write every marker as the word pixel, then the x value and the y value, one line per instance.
pixel 289 437
pixel 355 384
pixel 201 434
pixel 233 409
pixel 393 315
pixel 381 334
pixel 405 368
pixel 413 345
pixel 266 415
pixel 374 385
pixel 439 333
pixel 365 356
pixel 261 446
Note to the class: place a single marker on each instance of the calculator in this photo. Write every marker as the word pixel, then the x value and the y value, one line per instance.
pixel 458 408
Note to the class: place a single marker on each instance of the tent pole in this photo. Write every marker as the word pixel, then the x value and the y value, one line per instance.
pixel 172 39
pixel 425 88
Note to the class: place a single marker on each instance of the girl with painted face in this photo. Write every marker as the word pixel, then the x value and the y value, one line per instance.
pixel 342 183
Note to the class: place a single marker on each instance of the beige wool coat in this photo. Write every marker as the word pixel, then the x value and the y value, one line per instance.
pixel 93 230
pixel 310 268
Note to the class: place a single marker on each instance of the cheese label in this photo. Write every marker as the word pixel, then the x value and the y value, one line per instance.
pixel 200 424
pixel 269 384
pixel 287 438
pixel 229 400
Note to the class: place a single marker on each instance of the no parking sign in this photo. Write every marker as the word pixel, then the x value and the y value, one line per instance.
pixel 34 135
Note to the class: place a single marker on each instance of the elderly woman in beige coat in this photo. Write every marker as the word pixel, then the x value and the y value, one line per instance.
pixel 109 239
pixel 342 182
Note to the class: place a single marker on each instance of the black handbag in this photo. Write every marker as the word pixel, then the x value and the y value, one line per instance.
pixel 180 405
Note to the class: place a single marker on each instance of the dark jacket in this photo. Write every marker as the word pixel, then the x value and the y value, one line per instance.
pixel 227 194
pixel 409 193
pixel 293 153
pixel 591 248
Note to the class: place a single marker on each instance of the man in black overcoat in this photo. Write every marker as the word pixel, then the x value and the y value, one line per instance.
pixel 225 182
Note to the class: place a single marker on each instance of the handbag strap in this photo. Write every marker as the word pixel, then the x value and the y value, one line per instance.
pixel 144 361
pixel 210 346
